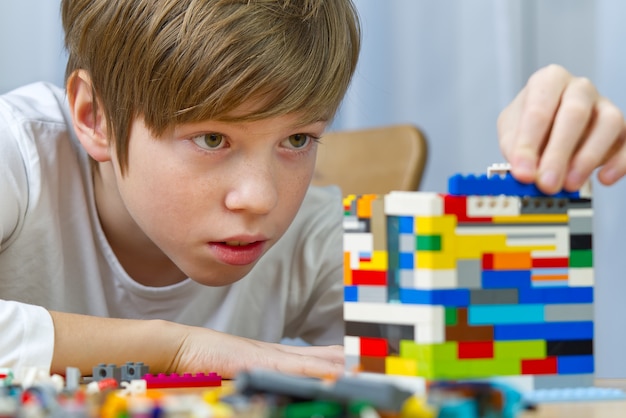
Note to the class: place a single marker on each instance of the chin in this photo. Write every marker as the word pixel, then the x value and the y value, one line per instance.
pixel 221 279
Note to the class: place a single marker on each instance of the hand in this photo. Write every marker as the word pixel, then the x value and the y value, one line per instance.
pixel 559 129
pixel 227 355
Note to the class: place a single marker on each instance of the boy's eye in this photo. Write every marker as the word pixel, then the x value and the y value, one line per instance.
pixel 209 141
pixel 298 140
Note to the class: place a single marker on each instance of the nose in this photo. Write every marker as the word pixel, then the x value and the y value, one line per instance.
pixel 254 187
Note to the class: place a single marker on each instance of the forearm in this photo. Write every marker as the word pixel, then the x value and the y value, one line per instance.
pixel 84 341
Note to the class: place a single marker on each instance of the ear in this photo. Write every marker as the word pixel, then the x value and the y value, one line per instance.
pixel 88 116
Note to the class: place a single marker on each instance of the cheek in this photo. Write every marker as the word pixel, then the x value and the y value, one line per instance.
pixel 152 186
pixel 297 182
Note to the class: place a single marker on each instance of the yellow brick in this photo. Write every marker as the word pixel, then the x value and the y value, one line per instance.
pixel 400 366
pixel 347 200
pixel 473 246
pixel 532 218
pixel 431 225
pixel 377 263
pixel 436 260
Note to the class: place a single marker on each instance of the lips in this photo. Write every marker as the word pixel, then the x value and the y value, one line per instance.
pixel 238 253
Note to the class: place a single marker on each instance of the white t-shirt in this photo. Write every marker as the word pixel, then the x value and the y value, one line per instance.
pixel 54 255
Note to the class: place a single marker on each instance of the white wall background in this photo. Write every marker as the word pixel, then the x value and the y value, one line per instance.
pixel 448 66
pixel 32 43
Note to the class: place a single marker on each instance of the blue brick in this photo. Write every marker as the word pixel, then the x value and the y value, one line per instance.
pixel 350 294
pixel 574 364
pixel 455 297
pixel 415 296
pixel 405 225
pixel 482 185
pixel 556 295
pixel 445 297
pixel 503 279
pixel 550 331
pixel 406 261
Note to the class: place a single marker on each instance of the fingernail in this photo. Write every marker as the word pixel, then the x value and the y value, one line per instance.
pixel 549 180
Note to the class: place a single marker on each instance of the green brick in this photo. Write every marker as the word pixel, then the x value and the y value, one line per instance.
pixel 469 369
pixel 487 368
pixel 428 352
pixel 517 350
pixel 428 242
pixel 581 258
pixel 439 370
pixel 451 317
pixel 410 349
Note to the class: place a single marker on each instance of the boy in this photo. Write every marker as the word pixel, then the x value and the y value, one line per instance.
pixel 185 148
pixel 160 212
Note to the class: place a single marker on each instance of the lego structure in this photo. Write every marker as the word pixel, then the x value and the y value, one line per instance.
pixel 492 279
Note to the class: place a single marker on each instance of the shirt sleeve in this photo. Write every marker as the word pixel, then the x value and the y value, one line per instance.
pixel 13 183
pixel 26 331
pixel 27 336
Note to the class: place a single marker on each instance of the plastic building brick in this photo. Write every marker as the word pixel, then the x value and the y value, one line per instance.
pixel 574 394
pixel 106 371
pixel 6 376
pixel 185 380
pixel 475 399
pixel 132 371
pixel 102 385
pixel 492 279
pixel 381 395
pixel 499 169
pixel 72 378
pixel 460 185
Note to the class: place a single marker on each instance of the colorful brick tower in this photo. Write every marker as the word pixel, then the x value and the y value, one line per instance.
pixel 492 279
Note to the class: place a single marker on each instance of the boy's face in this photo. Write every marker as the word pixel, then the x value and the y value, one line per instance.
pixel 212 197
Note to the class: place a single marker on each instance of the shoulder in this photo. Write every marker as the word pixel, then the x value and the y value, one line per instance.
pixel 34 120
pixel 43 102
pixel 39 154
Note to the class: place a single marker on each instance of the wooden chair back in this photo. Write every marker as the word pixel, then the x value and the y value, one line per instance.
pixel 376 161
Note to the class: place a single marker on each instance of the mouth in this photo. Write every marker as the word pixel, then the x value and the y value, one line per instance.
pixel 238 252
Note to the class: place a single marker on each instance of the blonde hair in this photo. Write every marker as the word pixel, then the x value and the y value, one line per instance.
pixel 181 61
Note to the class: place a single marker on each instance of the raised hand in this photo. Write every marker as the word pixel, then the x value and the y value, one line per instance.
pixel 559 129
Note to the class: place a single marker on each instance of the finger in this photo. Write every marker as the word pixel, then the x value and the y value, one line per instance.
pixel 570 125
pixel 615 167
pixel 603 140
pixel 545 88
